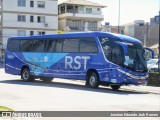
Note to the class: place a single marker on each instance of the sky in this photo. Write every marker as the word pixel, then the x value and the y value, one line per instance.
pixel 130 10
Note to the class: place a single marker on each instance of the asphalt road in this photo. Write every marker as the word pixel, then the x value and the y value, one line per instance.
pixel 67 95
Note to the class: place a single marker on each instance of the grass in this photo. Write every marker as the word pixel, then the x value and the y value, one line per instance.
pixel 2 108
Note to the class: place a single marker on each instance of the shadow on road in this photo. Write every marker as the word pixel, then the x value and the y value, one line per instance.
pixel 72 86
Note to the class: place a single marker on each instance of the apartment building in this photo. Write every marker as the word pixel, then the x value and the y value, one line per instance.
pixel 113 29
pixel 147 32
pixel 137 29
pixel 27 17
pixel 80 15
pixel 155 19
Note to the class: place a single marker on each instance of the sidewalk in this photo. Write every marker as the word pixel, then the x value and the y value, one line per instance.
pixel 148 89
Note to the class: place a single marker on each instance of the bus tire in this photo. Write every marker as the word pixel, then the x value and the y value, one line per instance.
pixel 115 87
pixel 25 75
pixel 93 80
pixel 46 79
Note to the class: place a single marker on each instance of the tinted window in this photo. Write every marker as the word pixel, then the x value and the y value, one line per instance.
pixel 107 47
pixel 71 45
pixel 13 45
pixel 59 44
pixel 51 45
pixel 88 45
pixel 113 52
pixel 26 46
pixel 39 46
pixel 117 56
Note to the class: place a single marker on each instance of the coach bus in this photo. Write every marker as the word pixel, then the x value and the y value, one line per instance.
pixel 99 58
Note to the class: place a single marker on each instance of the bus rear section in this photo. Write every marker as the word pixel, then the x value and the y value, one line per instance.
pixel 96 57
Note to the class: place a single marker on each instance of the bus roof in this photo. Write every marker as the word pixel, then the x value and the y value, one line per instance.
pixel 81 34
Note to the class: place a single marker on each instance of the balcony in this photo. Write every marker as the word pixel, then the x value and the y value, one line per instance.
pixel 81 15
pixel 79 12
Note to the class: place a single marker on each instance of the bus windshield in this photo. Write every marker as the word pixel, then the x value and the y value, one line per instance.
pixel 135 59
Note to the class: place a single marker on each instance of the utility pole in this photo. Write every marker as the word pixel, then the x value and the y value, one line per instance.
pixel 146 35
pixel 1 26
pixel 159 51
pixel 119 17
pixel 145 40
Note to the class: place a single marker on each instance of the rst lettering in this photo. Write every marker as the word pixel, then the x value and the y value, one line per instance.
pixel 74 63
pixel 76 60
pixel 68 62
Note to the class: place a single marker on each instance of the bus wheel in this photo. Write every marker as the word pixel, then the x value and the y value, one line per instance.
pixel 115 87
pixel 93 80
pixel 46 79
pixel 25 75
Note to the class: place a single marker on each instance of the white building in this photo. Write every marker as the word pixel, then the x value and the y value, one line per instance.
pixel 27 17
pixel 80 15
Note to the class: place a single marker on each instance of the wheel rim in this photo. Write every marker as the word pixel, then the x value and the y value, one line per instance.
pixel 25 75
pixel 92 80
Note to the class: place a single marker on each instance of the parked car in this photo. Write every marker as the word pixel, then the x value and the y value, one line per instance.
pixel 152 65
pixel 151 62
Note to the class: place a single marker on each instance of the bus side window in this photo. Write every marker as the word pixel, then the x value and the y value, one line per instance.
pixel 88 45
pixel 39 46
pixel 27 45
pixel 13 45
pixel 50 47
pixel 71 45
pixel 117 56
pixel 58 46
pixel 108 52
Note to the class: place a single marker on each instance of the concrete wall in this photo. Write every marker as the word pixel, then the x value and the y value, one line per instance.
pixel 62 24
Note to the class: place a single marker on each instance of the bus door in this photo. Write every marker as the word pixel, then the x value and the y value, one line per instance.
pixel 56 56
pixel 39 58
pixel 116 69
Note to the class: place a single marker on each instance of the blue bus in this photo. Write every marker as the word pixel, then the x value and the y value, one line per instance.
pixel 99 58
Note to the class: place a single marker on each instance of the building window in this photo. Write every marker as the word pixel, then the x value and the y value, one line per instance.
pixel 41 33
pixel 76 25
pixel 31 3
pixel 31 33
pixel 22 3
pixel 21 18
pixel 41 4
pixel 88 10
pixel 93 26
pixel 40 19
pixel 21 33
pixel 98 9
pixel 31 18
